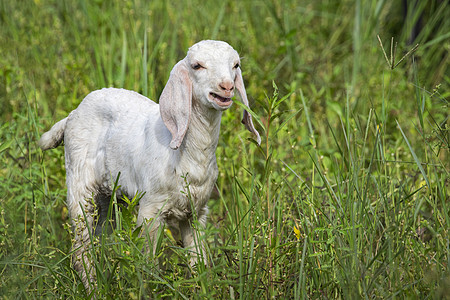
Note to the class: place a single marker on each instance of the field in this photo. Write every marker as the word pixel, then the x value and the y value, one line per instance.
pixel 347 197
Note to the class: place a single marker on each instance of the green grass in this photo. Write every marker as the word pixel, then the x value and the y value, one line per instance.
pixel 347 196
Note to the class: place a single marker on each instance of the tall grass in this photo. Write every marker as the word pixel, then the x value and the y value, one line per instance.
pixel 347 196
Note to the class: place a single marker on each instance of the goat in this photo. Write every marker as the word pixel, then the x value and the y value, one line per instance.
pixel 154 147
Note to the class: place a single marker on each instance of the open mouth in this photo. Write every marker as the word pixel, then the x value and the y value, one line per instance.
pixel 221 101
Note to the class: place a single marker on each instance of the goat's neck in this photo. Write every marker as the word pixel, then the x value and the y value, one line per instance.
pixel 202 136
pixel 197 153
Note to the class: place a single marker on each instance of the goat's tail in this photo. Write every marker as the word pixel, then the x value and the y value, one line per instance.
pixel 53 137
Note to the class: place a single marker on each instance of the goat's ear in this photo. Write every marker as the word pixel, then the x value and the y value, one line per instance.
pixel 175 103
pixel 247 118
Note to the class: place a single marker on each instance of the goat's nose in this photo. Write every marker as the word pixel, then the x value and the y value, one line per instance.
pixel 227 86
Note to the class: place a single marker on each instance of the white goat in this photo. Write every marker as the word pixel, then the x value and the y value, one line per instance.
pixel 154 147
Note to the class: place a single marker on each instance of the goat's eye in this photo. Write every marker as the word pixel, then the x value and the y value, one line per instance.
pixel 236 66
pixel 197 66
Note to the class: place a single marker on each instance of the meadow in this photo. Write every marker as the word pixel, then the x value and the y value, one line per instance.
pixel 347 197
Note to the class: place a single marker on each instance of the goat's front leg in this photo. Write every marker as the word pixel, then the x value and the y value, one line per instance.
pixel 151 223
pixel 193 240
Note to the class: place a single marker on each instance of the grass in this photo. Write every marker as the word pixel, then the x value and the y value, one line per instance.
pixel 347 196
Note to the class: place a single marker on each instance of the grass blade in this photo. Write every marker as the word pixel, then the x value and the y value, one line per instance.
pixel 416 159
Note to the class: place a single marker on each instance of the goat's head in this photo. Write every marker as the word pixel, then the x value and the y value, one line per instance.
pixel 210 73
pixel 213 68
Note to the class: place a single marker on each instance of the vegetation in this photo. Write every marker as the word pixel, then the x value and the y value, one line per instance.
pixel 347 196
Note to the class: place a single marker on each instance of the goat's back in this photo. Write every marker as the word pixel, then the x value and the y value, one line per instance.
pixel 109 133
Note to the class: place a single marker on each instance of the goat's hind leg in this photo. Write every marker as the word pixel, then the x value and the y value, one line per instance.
pixel 82 211
pixel 104 221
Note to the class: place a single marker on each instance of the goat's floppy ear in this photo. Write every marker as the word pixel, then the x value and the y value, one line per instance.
pixel 247 118
pixel 175 103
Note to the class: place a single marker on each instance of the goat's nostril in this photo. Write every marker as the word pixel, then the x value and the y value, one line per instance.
pixel 227 86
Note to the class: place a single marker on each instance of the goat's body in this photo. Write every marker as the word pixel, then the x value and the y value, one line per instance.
pixel 107 135
pixel 165 151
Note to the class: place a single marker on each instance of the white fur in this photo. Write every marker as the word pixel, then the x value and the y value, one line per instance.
pixel 152 146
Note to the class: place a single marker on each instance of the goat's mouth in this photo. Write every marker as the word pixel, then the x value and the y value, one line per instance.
pixel 221 101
